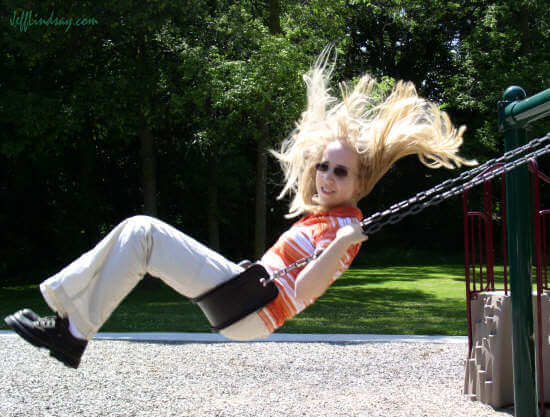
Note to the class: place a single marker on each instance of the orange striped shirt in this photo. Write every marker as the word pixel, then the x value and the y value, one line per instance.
pixel 311 233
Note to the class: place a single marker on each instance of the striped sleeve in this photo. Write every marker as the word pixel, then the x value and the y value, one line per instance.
pixel 309 234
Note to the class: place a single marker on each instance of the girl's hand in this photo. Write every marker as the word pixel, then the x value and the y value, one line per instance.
pixel 351 234
pixel 316 277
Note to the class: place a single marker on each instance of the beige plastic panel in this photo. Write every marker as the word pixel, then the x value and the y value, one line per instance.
pixel 489 371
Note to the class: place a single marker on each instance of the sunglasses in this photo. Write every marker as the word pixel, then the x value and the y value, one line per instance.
pixel 339 171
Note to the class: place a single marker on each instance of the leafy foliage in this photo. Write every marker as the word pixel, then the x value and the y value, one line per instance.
pixel 208 80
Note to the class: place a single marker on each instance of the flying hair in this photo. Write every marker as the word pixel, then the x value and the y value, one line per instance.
pixel 380 126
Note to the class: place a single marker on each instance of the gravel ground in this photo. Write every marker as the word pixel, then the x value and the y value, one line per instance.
pixel 122 378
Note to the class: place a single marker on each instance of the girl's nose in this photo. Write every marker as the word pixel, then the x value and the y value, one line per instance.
pixel 329 176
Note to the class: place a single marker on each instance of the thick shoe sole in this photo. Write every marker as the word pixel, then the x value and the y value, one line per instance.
pixel 13 321
pixel 66 360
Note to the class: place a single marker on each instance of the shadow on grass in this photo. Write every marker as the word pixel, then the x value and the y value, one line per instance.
pixel 387 311
pixel 350 306
pixel 142 310
pixel 358 277
pixel 16 298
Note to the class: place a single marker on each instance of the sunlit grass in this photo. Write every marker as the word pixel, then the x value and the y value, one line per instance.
pixel 385 300
pixel 390 300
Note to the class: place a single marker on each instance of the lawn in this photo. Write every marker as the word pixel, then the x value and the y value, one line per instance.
pixel 384 300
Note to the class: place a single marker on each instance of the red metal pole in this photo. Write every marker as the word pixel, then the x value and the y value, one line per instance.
pixel 473 251
pixel 545 250
pixel 480 242
pixel 467 269
pixel 489 250
pixel 504 232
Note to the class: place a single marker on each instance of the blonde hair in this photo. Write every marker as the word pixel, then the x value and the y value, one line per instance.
pixel 381 128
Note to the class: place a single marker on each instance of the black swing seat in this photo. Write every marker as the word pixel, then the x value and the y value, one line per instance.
pixel 237 298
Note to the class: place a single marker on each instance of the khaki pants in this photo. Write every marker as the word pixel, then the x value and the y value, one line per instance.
pixel 90 288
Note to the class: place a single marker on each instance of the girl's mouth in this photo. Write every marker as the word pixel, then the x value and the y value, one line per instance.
pixel 326 191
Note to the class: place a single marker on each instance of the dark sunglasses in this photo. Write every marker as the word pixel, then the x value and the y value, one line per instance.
pixel 339 171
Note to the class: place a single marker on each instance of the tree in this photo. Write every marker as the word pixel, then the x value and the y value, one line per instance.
pixel 274 25
pixel 505 43
pixel 245 85
pixel 77 117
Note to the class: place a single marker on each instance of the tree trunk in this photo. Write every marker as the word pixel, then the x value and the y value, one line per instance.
pixel 148 168
pixel 274 19
pixel 260 212
pixel 213 217
pixel 87 157
pixel 525 47
pixel 149 183
pixel 274 22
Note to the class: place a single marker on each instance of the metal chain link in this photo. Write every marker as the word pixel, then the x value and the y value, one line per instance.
pixel 437 194
pixel 535 143
pixel 298 264
pixel 418 203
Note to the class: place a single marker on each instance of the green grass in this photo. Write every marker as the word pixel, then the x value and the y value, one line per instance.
pixel 384 300
pixel 390 300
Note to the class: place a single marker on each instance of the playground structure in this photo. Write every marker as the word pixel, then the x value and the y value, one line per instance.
pixel 501 369
pixel 489 366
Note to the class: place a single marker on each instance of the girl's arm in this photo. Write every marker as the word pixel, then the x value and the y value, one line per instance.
pixel 316 277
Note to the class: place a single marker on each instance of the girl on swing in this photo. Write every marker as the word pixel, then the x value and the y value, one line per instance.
pixel 333 158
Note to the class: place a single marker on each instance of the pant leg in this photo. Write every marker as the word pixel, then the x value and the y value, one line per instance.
pixel 90 288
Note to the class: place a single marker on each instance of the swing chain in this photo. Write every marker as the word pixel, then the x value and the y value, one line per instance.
pixel 422 200
pixel 535 143
pixel 437 195
pixel 298 264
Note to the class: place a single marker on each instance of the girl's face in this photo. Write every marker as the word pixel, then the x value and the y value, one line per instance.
pixel 337 180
